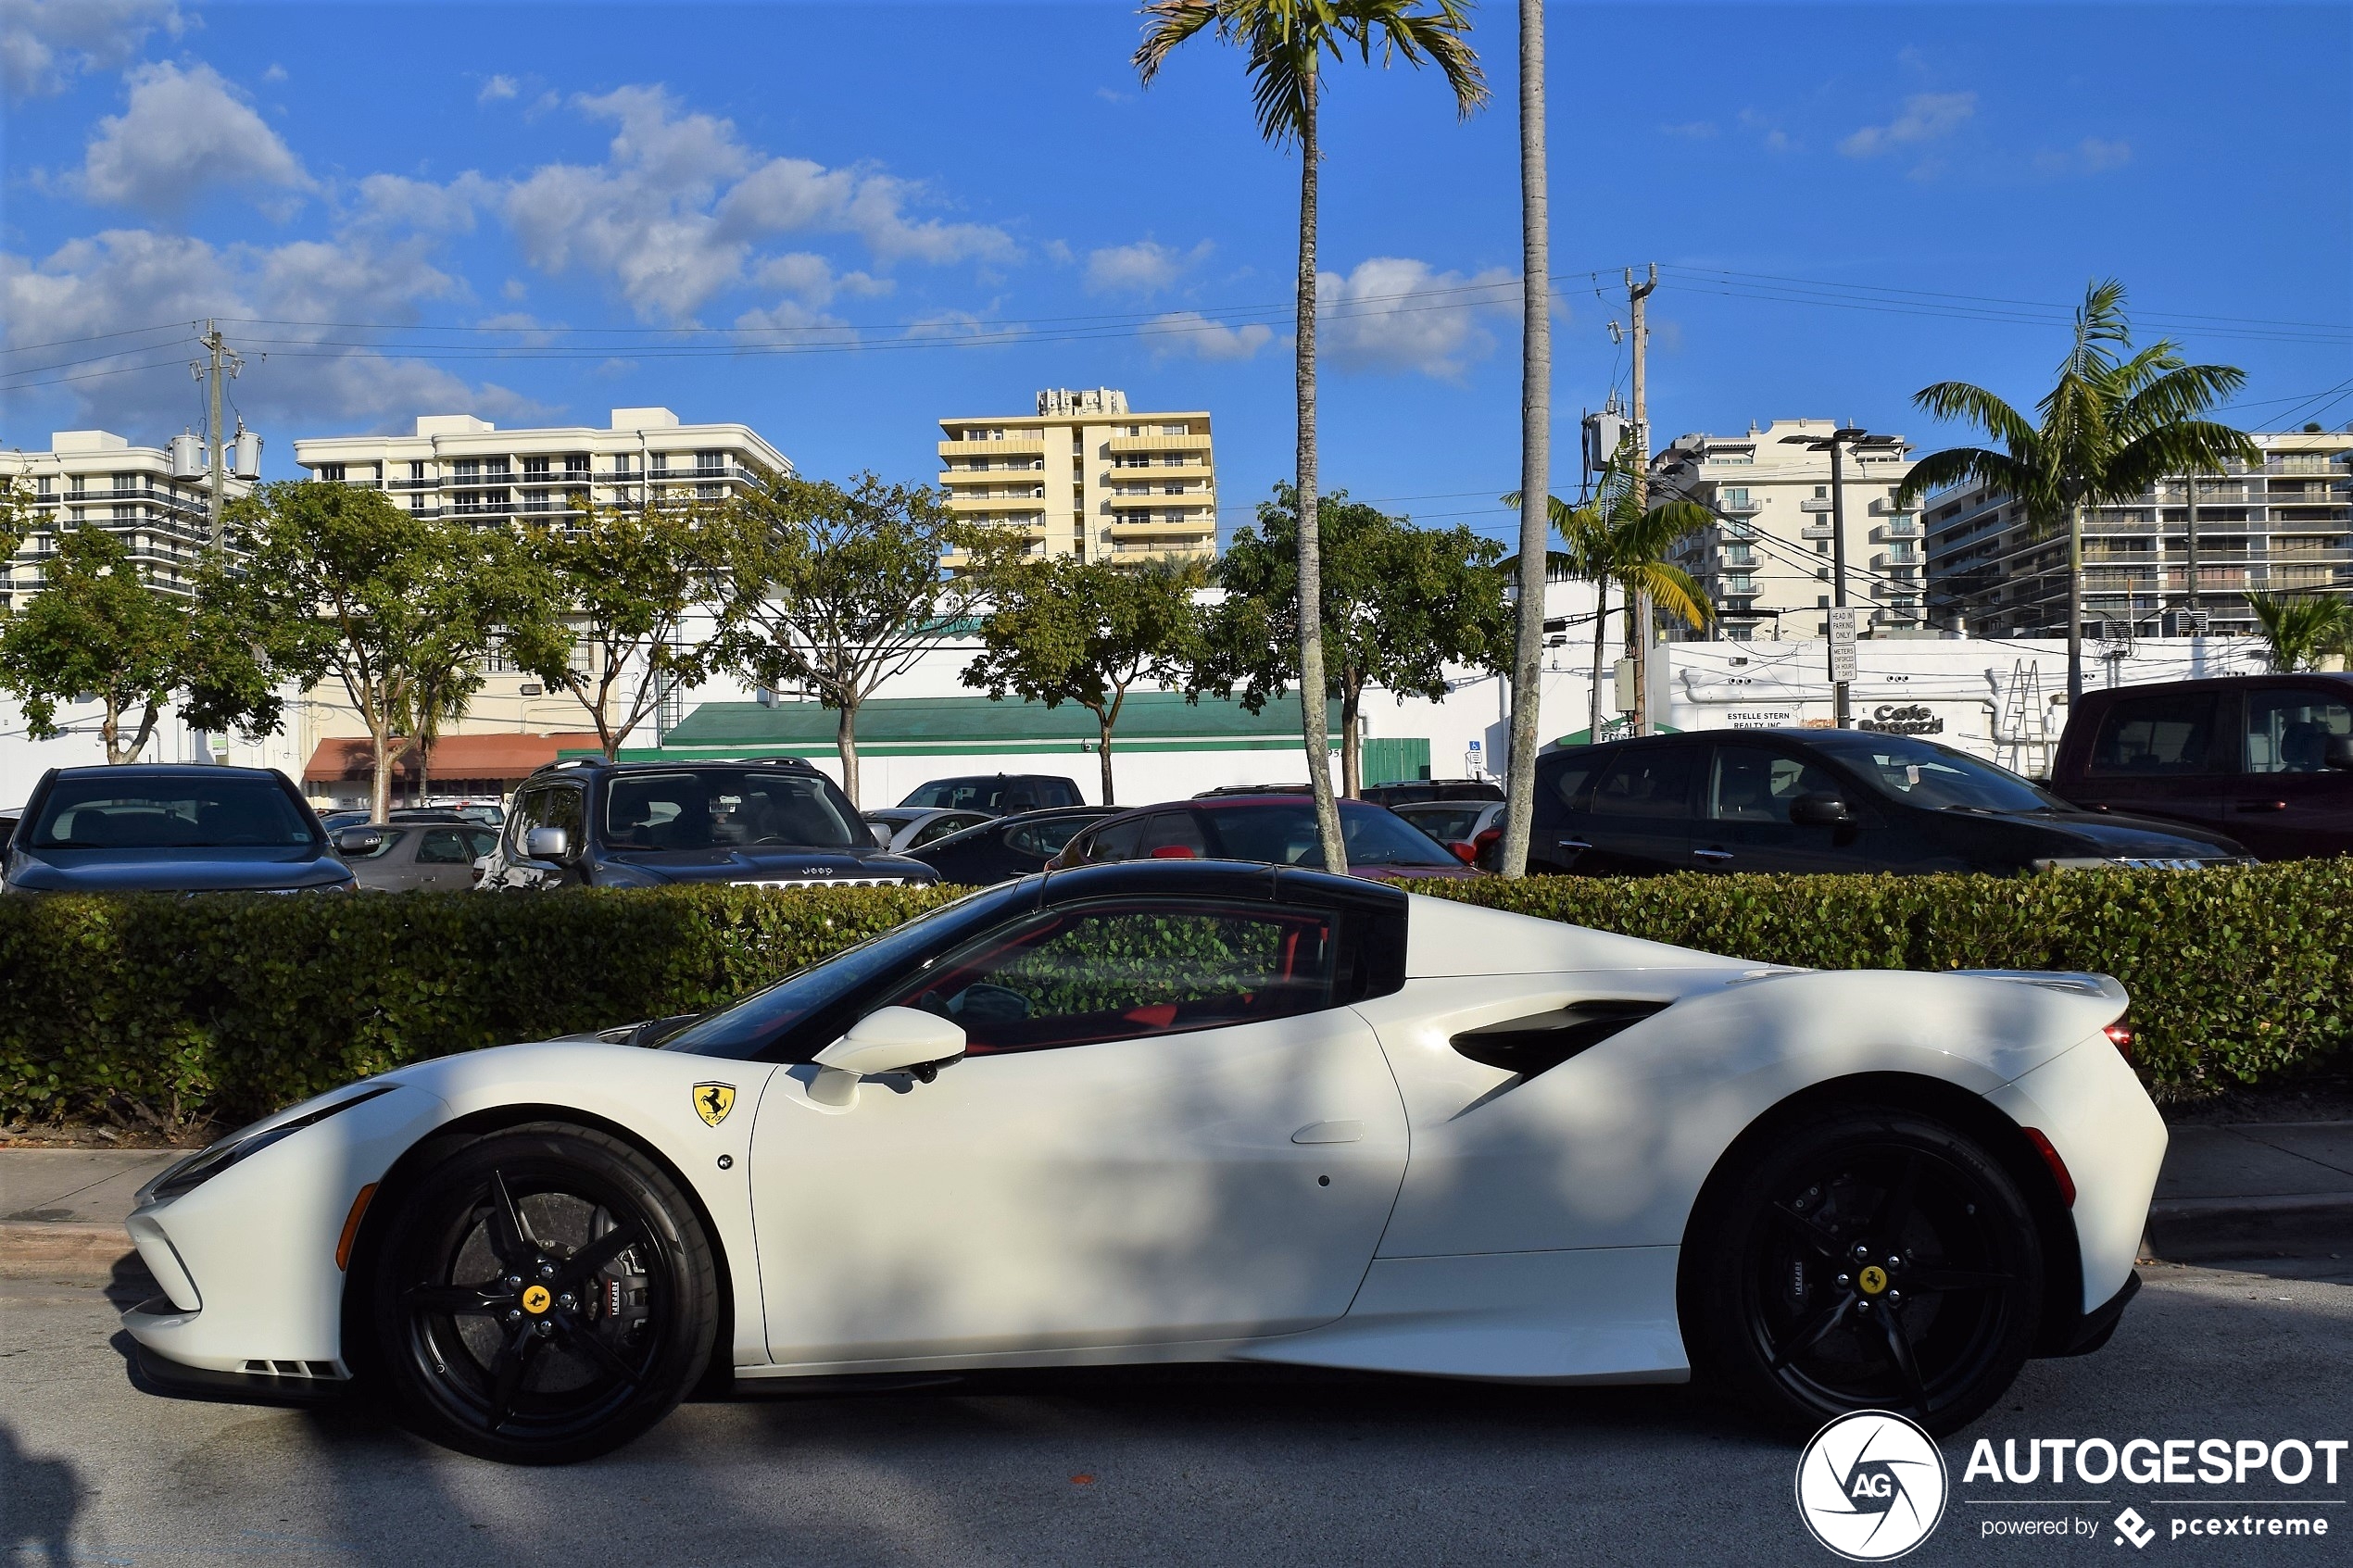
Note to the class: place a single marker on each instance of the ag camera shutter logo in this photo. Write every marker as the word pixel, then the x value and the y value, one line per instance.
pixel 1871 1486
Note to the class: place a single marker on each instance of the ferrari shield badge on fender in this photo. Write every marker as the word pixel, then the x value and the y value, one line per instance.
pixel 713 1101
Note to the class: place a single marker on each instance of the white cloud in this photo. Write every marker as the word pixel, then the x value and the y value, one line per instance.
pixel 812 279
pixel 183 131
pixel 395 201
pixel 796 325
pixel 102 282
pixel 497 88
pixel 1926 118
pixel 1146 267
pixel 2090 156
pixel 1190 332
pixel 672 215
pixel 956 325
pixel 46 43
pixel 1393 314
pixel 275 73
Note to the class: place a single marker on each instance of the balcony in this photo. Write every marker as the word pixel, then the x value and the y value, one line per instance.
pixel 1887 531
pixel 1882 560
pixel 1883 506
pixel 1139 528
pixel 1192 495
pixel 1818 530
pixel 1030 446
pixel 1121 445
pixel 1816 504
pixel 1162 552
pixel 1032 502
pixel 1747 505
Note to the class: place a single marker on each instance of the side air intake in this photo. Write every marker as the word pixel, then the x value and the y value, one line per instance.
pixel 1543 1041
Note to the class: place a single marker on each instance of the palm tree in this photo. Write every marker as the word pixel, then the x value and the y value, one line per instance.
pixel 2300 630
pixel 1535 438
pixel 1283 43
pixel 2116 422
pixel 1615 539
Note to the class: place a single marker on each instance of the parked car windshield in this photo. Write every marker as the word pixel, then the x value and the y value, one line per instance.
pixel 1283 833
pixel 729 808
pixel 744 1029
pixel 233 811
pixel 1923 774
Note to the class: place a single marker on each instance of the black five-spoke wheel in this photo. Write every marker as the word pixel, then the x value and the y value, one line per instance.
pixel 543 1295
pixel 1864 1258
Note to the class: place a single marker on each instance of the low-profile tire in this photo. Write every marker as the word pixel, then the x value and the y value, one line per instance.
pixel 543 1295
pixel 1861 1257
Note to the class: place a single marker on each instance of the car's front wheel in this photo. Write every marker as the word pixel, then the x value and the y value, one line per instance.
pixel 544 1295
pixel 1861 1257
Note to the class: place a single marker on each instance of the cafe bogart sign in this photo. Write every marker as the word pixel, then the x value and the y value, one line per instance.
pixel 1902 719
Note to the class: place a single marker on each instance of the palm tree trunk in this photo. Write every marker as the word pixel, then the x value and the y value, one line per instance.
pixel 2074 607
pixel 846 747
pixel 1313 728
pixel 1535 441
pixel 1601 641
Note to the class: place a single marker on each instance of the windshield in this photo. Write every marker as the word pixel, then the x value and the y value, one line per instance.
pixel 729 808
pixel 1923 774
pixel 960 795
pixel 746 1028
pixel 1283 833
pixel 234 810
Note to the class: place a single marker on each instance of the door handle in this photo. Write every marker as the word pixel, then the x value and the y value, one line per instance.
pixel 1711 854
pixel 2262 804
pixel 1575 844
pixel 1329 1132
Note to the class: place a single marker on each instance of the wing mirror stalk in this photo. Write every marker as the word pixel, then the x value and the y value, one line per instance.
pixel 887 1040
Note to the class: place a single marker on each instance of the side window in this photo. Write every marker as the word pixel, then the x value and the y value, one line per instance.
pixel 1116 842
pixel 1058 791
pixel 1119 971
pixel 530 806
pixel 2288 731
pixel 1755 783
pixel 1653 781
pixel 443 846
pixel 1563 785
pixel 564 810
pixel 385 845
pixel 480 842
pixel 940 827
pixel 1172 836
pixel 2162 733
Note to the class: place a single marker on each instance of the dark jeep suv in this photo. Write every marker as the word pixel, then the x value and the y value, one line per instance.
pixel 778 824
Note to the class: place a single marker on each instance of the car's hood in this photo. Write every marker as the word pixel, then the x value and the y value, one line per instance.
pixel 2125 837
pixel 780 864
pixel 173 871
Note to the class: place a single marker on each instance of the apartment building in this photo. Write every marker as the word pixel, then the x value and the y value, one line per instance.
pixel 156 499
pixel 459 466
pixel 1765 561
pixel 2283 526
pixel 1087 476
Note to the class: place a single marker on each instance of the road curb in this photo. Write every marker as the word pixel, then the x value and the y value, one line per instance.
pixel 54 1242
pixel 2183 1229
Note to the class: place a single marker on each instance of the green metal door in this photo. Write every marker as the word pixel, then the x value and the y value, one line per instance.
pixel 1399 760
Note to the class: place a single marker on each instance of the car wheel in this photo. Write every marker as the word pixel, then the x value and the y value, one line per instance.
pixel 544 1295
pixel 1864 1258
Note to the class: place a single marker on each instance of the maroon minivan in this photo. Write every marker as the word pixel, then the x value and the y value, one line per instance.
pixel 2266 758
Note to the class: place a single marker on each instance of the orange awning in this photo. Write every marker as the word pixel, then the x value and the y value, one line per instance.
pixel 351 758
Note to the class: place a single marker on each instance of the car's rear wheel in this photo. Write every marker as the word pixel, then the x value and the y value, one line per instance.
pixel 1862 1257
pixel 544 1295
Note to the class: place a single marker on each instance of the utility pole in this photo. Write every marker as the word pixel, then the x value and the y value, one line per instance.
pixel 223 363
pixel 1841 627
pixel 1641 652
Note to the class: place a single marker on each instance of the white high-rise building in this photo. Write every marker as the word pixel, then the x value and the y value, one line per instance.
pixel 156 499
pixel 1766 560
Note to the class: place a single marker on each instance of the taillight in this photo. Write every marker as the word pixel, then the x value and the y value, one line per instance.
pixel 2119 1035
pixel 1464 853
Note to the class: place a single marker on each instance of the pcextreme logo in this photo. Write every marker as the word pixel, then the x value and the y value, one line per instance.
pixel 1870 1486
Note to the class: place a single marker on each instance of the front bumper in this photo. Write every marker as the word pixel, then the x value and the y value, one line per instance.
pixel 299 1384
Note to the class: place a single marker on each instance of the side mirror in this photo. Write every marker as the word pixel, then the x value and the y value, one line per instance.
pixel 2339 754
pixel 546 844
pixel 895 1040
pixel 1819 812
pixel 359 841
pixel 882 834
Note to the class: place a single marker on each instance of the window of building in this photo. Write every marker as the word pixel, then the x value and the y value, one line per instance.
pixel 1821 546
pixel 534 500
pixel 576 464
pixel 468 470
pixel 331 473
pixel 1173 430
pixel 496 468
pixel 710 463
pixel 80 483
pixel 710 492
pixel 1821 492
pixel 534 468
pixel 417 472
pixel 44 487
pixel 661 464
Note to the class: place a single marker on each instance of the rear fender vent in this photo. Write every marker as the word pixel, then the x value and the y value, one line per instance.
pixel 1543 1041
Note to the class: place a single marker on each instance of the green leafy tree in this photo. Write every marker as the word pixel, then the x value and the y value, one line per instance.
pixel 1616 540
pixel 97 628
pixel 2115 423
pixel 17 516
pixel 334 581
pixel 2300 632
pixel 1084 632
pixel 1284 43
pixel 1400 605
pixel 632 580
pixel 832 591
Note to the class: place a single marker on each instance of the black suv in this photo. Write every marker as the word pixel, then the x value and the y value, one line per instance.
pixel 778 824
pixel 1825 800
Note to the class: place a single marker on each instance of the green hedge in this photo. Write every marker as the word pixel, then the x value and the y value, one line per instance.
pixel 2235 975
pixel 167 1012
pixel 170 1011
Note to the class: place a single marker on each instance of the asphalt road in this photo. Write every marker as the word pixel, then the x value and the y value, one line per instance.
pixel 1216 1467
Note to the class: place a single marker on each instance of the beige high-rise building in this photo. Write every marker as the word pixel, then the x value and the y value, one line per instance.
pixel 1087 476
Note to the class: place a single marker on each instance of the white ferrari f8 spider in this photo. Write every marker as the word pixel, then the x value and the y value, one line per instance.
pixel 1186 1111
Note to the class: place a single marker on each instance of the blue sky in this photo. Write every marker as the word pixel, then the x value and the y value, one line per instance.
pixel 942 208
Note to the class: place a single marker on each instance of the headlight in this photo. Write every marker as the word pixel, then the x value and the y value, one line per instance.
pixel 202 1166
